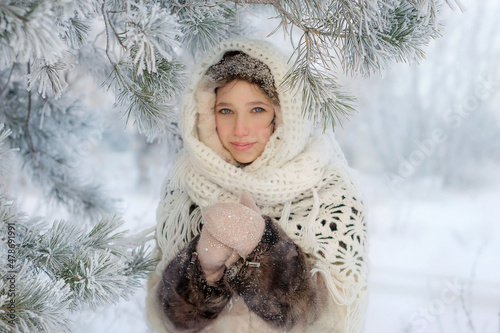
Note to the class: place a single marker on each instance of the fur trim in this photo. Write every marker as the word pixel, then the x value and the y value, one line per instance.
pixel 154 314
pixel 237 65
pixel 280 290
pixel 207 131
pixel 186 299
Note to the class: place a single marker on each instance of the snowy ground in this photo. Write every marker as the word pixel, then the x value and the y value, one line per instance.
pixel 433 261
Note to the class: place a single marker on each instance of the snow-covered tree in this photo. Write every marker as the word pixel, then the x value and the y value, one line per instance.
pixel 139 50
pixel 438 121
pixel 47 270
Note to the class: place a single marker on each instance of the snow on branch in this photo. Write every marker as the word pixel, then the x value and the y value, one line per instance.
pixel 147 77
pixel 52 269
pixel 51 136
pixel 149 30
pixel 5 152
pixel 363 36
pixel 205 24
pixel 49 78
pixel 29 32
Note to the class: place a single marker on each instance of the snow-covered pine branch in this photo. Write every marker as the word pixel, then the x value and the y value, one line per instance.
pixel 48 78
pixel 321 92
pixel 5 152
pixel 204 24
pixel 39 303
pixel 36 45
pixel 147 97
pixel 146 76
pixel 363 37
pixel 53 269
pixel 29 31
pixel 50 136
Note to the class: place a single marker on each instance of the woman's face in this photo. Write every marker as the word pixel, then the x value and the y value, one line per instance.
pixel 244 118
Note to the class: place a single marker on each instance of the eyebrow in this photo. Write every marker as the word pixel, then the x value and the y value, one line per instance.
pixel 223 104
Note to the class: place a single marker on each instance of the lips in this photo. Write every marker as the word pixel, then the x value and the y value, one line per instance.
pixel 242 146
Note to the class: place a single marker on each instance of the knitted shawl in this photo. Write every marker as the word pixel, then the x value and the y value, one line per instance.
pixel 301 180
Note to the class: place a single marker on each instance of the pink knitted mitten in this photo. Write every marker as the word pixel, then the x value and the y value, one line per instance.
pixel 237 225
pixel 212 255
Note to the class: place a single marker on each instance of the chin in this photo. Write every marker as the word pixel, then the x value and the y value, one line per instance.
pixel 245 159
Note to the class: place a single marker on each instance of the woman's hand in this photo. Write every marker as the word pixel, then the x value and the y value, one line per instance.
pixel 213 256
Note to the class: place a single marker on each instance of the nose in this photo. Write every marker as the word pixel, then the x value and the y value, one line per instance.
pixel 241 127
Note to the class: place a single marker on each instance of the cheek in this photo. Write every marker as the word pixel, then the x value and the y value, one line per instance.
pixel 264 133
pixel 222 128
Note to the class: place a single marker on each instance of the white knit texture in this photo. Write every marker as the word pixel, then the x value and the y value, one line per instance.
pixel 301 180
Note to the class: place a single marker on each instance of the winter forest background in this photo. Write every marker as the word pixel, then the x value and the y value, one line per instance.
pixel 425 142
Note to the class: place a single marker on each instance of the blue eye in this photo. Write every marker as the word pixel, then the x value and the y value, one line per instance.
pixel 225 111
pixel 258 110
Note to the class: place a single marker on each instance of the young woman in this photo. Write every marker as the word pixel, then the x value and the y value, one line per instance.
pixel 260 226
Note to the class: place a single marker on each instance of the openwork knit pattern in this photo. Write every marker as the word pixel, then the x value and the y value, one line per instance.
pixel 301 180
